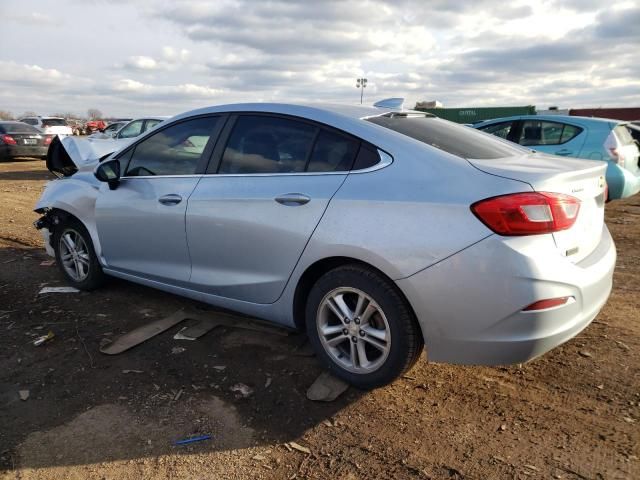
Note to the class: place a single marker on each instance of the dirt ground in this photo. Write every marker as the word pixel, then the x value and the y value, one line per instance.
pixel 572 414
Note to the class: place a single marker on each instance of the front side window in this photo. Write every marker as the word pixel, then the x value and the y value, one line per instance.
pixel 132 130
pixel 263 144
pixel 175 150
pixel 502 129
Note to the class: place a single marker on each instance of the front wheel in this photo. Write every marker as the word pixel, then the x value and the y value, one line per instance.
pixel 76 257
pixel 361 327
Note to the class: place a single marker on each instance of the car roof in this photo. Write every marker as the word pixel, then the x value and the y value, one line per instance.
pixel 305 110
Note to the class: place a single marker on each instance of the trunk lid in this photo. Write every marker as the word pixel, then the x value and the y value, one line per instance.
pixel 583 179
pixel 28 139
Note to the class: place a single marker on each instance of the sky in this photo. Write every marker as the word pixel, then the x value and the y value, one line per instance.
pixel 141 57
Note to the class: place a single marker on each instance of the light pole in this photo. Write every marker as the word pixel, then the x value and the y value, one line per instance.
pixel 361 83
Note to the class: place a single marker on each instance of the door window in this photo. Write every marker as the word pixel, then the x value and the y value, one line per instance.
pixel 538 132
pixel 332 152
pixel 263 144
pixel 132 130
pixel 150 124
pixel 502 129
pixel 175 150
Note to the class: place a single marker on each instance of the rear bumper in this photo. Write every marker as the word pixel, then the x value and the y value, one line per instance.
pixel 470 305
pixel 11 151
pixel 621 182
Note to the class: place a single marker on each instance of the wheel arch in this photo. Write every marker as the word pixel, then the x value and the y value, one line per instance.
pixel 314 271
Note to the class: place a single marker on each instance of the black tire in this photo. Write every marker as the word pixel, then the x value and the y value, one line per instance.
pixel 406 338
pixel 95 277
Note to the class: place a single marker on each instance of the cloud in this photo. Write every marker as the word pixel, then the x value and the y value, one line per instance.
pixel 165 56
pixel 32 18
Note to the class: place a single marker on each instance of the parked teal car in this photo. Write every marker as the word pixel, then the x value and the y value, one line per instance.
pixel 581 137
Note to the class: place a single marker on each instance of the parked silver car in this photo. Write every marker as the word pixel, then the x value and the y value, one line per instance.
pixel 376 230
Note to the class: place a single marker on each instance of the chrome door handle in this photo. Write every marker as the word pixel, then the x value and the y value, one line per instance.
pixel 292 199
pixel 564 151
pixel 171 199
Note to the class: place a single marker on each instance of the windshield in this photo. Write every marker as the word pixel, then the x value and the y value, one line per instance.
pixel 624 136
pixel 450 137
pixel 17 128
pixel 54 122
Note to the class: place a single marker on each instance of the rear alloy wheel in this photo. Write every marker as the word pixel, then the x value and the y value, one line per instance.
pixel 76 257
pixel 361 327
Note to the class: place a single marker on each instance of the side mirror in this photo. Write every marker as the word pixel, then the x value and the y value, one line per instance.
pixel 109 172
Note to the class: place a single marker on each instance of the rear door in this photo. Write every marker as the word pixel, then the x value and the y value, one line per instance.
pixel 250 218
pixel 141 224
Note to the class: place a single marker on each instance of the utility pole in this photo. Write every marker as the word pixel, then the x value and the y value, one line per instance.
pixel 361 83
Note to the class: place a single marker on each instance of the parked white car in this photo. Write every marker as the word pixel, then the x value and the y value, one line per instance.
pixel 49 125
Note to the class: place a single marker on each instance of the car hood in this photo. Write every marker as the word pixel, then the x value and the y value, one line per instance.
pixel 69 155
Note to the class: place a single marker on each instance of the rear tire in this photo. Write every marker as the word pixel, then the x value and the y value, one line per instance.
pixel 376 340
pixel 76 257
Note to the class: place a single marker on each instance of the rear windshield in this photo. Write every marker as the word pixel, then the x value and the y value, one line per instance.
pixel 452 138
pixel 54 122
pixel 17 128
pixel 623 135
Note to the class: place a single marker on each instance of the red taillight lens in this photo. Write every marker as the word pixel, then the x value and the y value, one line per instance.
pixel 547 303
pixel 528 213
pixel 47 140
pixel 8 139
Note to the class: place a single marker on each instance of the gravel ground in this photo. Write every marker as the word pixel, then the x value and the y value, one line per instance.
pixel 573 414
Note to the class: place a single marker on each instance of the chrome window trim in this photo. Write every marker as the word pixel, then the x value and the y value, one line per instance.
pixel 385 161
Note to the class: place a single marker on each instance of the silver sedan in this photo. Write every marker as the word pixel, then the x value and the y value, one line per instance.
pixel 376 230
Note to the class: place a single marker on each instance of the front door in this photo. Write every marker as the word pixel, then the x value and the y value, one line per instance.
pixel 141 224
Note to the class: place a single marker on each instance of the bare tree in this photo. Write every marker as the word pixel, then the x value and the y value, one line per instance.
pixel 6 115
pixel 66 115
pixel 94 114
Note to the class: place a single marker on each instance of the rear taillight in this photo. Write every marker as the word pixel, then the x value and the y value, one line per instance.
pixel 528 213
pixel 47 139
pixel 8 139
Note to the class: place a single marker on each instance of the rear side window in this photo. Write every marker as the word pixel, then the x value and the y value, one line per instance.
pixel 623 135
pixel 452 138
pixel 540 132
pixel 30 121
pixel 54 122
pixel 263 144
pixel 332 152
pixel 175 150
pixel 502 129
